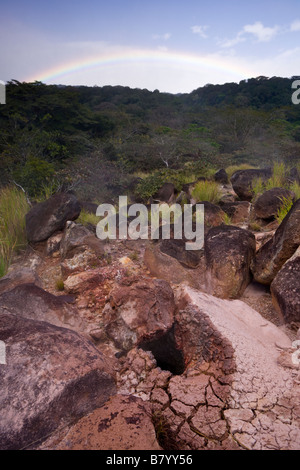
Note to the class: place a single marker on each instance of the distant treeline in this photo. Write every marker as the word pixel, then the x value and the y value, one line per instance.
pixel 55 134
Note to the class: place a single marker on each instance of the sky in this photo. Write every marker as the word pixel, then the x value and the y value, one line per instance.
pixel 174 46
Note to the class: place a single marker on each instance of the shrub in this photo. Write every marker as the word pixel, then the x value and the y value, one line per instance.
pixel 13 207
pixel 207 191
pixel 35 175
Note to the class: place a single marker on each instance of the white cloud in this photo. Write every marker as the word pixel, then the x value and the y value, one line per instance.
pixel 200 30
pixel 262 33
pixel 258 30
pixel 165 36
pixel 227 43
pixel 295 26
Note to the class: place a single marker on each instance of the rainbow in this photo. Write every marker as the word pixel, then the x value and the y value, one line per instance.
pixel 141 56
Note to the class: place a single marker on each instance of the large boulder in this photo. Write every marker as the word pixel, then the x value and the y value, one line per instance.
pixel 52 377
pixel 213 214
pixel 177 249
pixel 268 204
pixel 242 180
pixel 273 254
pixel 138 311
pixel 50 216
pixel 285 289
pixel 221 176
pixel 174 265
pixel 166 193
pixel 228 252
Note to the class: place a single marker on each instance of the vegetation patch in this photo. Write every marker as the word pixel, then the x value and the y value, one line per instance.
pixel 13 207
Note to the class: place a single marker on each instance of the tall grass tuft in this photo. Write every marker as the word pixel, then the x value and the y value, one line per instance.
pixel 278 179
pixel 207 191
pixel 13 207
pixel 87 218
pixel 258 187
pixel 284 209
pixel 295 187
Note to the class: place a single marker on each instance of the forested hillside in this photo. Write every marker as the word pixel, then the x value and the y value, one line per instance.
pixel 99 140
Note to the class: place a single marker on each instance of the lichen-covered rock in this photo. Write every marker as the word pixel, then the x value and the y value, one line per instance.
pixel 285 289
pixel 52 377
pixel 122 423
pixel 228 252
pixel 270 258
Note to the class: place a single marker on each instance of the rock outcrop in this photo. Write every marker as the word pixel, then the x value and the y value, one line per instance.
pixel 52 377
pixel 270 258
pixel 236 392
